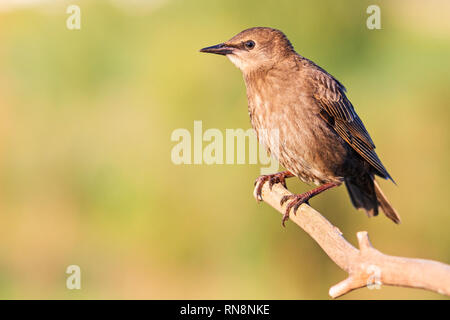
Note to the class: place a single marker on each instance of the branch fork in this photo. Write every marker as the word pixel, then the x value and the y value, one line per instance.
pixel 366 266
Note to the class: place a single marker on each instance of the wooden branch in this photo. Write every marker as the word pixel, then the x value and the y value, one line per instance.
pixel 366 266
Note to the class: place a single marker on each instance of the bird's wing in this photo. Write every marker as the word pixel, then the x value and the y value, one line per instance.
pixel 338 111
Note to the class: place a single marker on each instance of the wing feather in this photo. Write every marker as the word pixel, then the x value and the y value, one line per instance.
pixel 340 114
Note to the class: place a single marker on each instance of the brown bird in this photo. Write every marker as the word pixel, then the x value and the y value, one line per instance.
pixel 303 117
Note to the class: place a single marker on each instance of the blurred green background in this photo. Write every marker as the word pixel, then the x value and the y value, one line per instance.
pixel 86 176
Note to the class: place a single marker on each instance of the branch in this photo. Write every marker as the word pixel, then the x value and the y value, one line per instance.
pixel 366 266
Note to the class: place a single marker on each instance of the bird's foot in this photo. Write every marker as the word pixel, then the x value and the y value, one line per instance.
pixel 279 177
pixel 295 201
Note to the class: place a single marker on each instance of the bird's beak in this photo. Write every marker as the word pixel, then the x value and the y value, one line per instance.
pixel 222 49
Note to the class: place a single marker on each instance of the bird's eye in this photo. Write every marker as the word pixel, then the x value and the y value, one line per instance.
pixel 250 44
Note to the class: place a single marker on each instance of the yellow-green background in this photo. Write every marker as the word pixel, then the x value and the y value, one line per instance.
pixel 86 176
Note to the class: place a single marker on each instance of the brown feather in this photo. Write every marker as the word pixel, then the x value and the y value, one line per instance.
pixel 330 95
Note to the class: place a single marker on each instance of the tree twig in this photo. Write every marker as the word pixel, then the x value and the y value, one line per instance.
pixel 366 266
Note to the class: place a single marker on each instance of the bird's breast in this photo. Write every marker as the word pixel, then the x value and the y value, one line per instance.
pixel 288 126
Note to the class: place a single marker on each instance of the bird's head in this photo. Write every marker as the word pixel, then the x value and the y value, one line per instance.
pixel 255 48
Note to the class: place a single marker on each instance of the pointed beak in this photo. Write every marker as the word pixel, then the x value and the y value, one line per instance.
pixel 222 49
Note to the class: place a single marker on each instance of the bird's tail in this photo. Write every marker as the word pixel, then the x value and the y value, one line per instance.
pixel 366 194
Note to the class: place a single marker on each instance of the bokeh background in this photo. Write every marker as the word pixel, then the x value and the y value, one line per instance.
pixel 86 176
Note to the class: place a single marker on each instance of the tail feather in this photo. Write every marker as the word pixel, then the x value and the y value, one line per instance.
pixel 387 208
pixel 363 196
pixel 365 193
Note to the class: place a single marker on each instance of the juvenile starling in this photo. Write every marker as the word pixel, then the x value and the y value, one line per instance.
pixel 320 138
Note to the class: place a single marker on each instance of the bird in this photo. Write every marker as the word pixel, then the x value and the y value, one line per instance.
pixel 302 116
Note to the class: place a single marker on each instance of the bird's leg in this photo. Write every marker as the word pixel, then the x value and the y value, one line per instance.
pixel 298 199
pixel 279 177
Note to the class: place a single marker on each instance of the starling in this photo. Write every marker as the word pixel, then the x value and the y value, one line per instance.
pixel 320 138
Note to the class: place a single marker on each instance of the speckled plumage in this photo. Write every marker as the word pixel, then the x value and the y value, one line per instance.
pixel 303 117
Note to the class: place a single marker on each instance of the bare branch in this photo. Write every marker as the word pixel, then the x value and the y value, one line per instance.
pixel 366 266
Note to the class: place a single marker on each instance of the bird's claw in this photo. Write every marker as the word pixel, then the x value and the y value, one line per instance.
pixel 272 179
pixel 295 201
